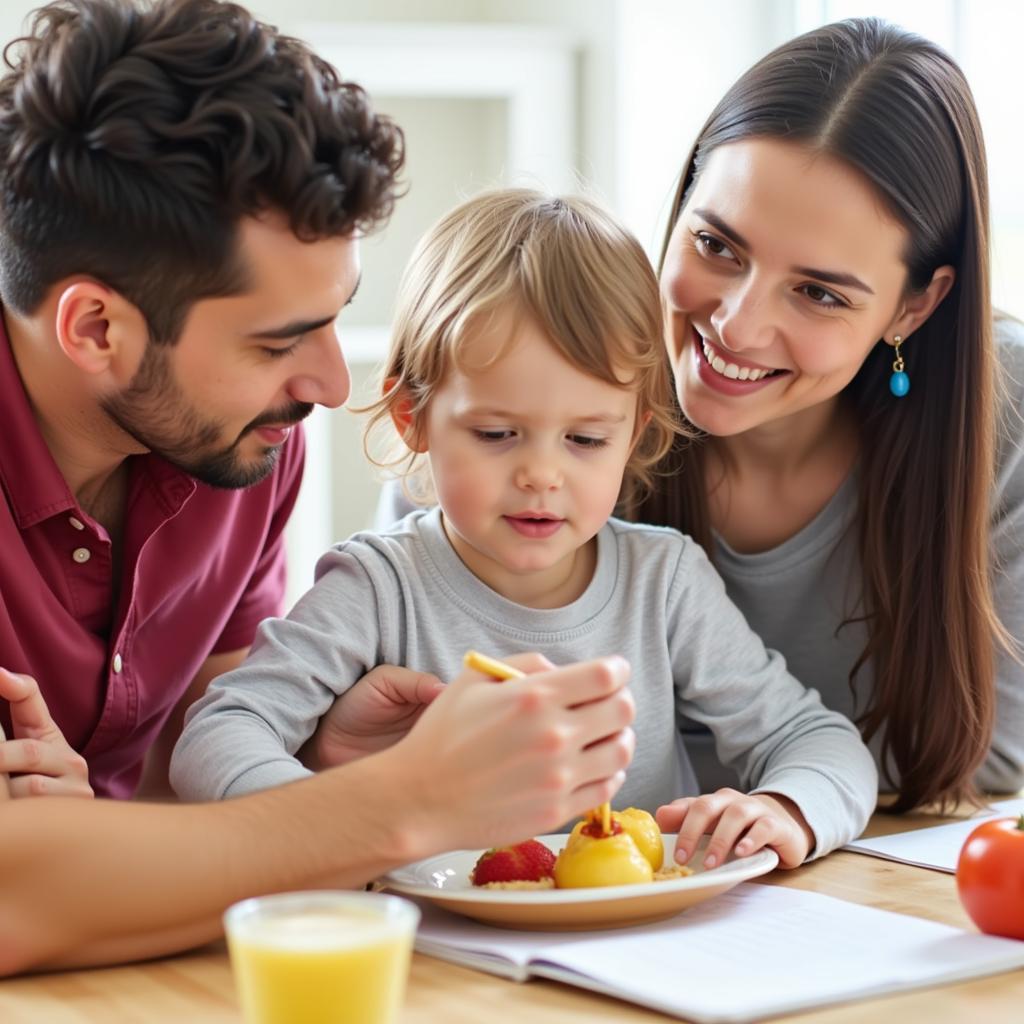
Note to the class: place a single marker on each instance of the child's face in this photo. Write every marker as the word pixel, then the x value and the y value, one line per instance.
pixel 527 456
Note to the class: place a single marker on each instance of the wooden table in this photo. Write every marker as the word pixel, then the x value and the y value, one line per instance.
pixel 196 988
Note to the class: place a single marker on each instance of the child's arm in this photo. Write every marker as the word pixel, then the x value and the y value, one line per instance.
pixel 807 765
pixel 243 735
pixel 376 713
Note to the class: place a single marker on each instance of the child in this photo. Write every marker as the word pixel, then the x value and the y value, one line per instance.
pixel 526 368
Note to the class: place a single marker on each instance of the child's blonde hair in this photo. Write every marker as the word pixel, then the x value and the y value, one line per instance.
pixel 562 260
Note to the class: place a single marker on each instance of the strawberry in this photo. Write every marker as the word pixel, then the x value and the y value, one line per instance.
pixel 529 861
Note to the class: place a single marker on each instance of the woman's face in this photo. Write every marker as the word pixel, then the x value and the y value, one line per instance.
pixel 782 273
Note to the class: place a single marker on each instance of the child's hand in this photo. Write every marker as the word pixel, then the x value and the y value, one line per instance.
pixel 376 713
pixel 748 823
pixel 42 762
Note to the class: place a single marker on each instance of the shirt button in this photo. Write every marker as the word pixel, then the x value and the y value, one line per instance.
pixel 77 523
pixel 118 663
pixel 81 555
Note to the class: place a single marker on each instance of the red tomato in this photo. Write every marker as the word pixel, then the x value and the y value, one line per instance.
pixel 990 877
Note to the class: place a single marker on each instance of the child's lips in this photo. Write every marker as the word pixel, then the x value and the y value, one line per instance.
pixel 534 526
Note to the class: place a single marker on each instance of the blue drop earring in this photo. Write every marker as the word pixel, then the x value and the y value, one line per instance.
pixel 899 382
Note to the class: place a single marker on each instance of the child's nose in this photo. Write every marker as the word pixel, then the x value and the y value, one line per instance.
pixel 539 473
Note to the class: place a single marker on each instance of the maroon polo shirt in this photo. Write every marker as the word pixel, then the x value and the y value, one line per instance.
pixel 200 568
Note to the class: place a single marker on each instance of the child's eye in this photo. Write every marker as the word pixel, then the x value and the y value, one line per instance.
pixel 493 436
pixel 584 441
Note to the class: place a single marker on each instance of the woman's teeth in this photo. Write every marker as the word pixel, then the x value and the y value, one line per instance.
pixel 731 370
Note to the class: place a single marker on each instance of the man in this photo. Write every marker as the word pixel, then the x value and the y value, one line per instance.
pixel 181 194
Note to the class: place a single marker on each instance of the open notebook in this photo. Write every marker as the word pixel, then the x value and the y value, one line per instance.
pixel 937 847
pixel 753 952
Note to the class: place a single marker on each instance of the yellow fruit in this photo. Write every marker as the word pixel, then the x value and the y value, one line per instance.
pixel 609 860
pixel 643 830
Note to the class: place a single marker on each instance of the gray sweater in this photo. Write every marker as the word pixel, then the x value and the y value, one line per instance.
pixel 796 596
pixel 403 597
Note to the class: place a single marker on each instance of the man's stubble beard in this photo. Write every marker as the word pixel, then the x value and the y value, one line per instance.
pixel 154 411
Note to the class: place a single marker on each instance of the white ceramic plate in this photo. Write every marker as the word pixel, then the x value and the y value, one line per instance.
pixel 444 880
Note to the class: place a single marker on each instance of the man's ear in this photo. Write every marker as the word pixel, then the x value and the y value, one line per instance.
pixel 402 405
pixel 99 330
pixel 918 306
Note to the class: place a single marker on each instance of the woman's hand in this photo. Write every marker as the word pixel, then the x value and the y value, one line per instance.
pixel 37 757
pixel 372 716
pixel 746 823
pixel 496 762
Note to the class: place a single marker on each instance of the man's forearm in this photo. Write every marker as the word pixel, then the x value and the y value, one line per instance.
pixel 84 883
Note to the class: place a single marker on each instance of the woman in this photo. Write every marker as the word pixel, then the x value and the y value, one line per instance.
pixel 858 477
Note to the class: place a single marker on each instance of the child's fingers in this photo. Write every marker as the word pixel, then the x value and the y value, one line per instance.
pixel 764 832
pixel 670 816
pixel 701 816
pixel 736 820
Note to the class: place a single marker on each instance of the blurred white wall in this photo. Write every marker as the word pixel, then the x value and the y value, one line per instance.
pixel 642 76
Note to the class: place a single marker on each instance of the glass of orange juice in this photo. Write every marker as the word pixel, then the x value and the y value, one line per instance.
pixel 330 957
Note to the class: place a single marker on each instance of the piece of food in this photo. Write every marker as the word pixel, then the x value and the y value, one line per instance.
pixel 644 831
pixel 593 858
pixel 990 877
pixel 529 861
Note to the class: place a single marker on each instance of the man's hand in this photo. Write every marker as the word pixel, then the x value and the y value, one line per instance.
pixel 39 759
pixel 375 714
pixel 492 763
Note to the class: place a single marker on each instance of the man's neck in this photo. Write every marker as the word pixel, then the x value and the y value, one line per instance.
pixel 88 449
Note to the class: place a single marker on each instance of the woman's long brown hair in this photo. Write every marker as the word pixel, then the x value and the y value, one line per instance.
pixel 898 109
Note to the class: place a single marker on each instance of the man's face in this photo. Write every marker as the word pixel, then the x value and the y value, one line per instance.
pixel 221 401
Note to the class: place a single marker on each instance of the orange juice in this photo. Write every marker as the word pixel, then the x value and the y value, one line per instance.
pixel 321 958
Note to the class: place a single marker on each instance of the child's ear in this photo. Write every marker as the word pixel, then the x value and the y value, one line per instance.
pixel 403 418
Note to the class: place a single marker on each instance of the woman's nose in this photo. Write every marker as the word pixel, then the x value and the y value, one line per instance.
pixel 745 317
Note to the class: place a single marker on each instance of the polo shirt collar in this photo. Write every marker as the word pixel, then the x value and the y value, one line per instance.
pixel 34 485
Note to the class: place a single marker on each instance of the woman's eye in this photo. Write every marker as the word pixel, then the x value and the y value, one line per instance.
pixel 493 436
pixel 713 246
pixel 584 441
pixel 822 296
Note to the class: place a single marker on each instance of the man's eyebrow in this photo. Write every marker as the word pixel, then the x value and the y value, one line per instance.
pixel 298 327
pixel 828 276
pixel 293 329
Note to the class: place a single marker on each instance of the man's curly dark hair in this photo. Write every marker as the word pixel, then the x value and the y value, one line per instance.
pixel 134 136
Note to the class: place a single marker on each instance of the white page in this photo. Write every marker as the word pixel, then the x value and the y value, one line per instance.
pixel 937 847
pixel 752 952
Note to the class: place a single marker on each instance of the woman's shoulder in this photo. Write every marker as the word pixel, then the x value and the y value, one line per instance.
pixel 1009 339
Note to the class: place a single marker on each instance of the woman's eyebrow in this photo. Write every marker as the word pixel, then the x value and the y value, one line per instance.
pixel 716 222
pixel 829 276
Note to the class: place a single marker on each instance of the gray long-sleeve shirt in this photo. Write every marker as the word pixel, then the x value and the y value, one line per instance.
pixel 796 596
pixel 404 597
